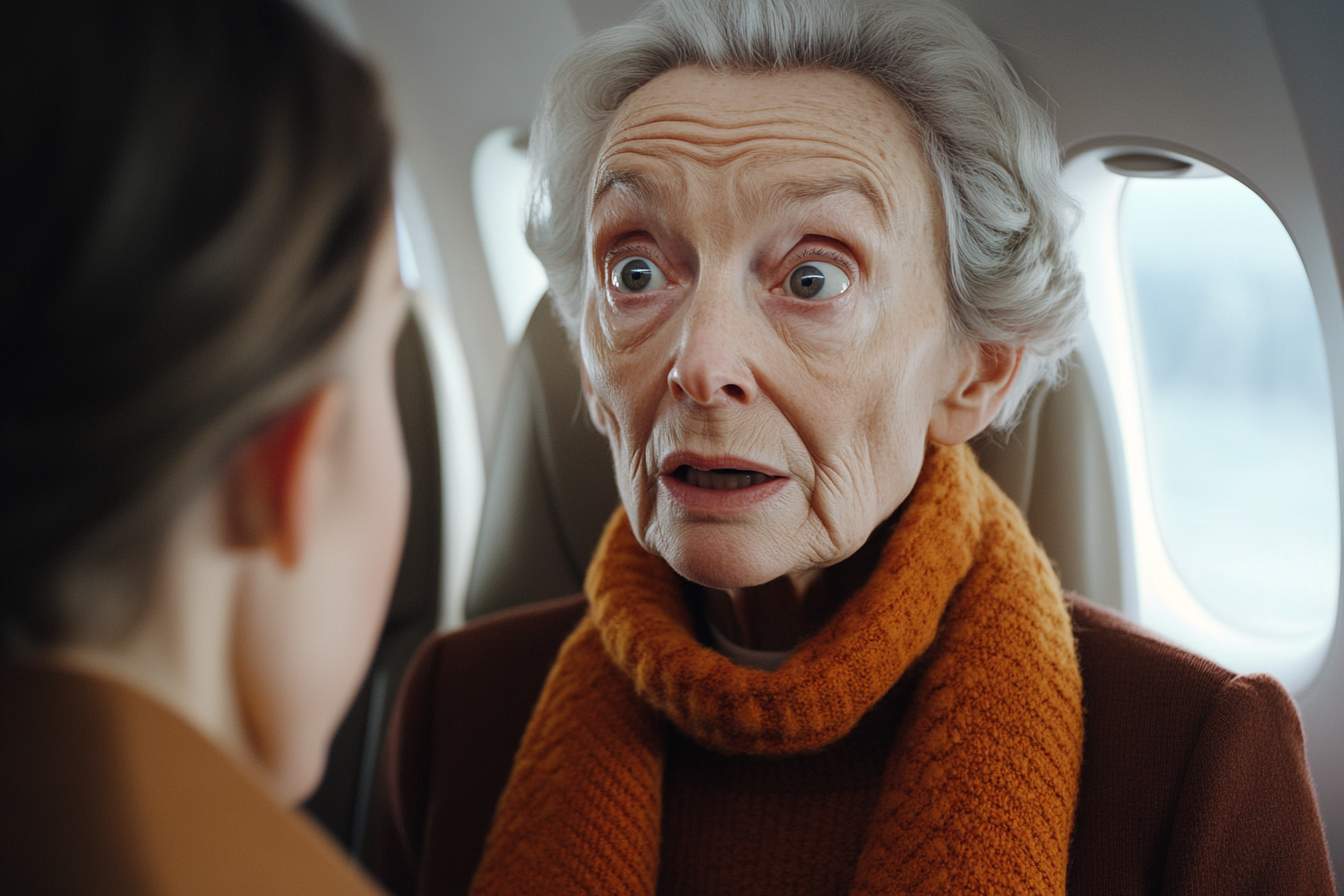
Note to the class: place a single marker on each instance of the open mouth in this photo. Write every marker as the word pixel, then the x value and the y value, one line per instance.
pixel 720 479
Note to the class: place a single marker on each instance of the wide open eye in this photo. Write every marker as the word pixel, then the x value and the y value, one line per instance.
pixel 637 275
pixel 817 280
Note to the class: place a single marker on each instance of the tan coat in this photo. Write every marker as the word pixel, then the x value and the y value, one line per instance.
pixel 104 791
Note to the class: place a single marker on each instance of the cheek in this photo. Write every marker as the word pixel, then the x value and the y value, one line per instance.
pixel 374 527
pixel 863 419
pixel 627 387
pixel 303 646
pixel 897 427
pixel 385 477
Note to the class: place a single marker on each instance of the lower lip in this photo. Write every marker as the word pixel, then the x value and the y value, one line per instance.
pixel 721 500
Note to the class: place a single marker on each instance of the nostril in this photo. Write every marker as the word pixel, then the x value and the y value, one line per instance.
pixel 706 385
pixel 674 383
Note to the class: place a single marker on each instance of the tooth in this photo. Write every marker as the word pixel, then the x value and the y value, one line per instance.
pixel 714 479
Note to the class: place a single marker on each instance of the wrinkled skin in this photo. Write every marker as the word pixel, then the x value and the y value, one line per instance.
pixel 708 354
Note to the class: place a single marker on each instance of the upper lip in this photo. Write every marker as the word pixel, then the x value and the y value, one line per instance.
pixel 676 459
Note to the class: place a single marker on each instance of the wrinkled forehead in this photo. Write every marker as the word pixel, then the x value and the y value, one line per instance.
pixel 785 135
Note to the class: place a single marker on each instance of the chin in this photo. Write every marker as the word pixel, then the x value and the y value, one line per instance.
pixel 306 782
pixel 719 557
pixel 295 777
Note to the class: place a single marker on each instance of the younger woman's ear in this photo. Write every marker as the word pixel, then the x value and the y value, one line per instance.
pixel 978 394
pixel 272 488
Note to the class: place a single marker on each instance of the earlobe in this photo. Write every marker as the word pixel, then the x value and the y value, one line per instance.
pixel 272 487
pixel 977 395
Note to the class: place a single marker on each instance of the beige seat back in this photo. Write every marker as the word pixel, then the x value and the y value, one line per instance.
pixel 550 488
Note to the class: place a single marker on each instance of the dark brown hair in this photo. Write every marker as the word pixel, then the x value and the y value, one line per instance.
pixel 190 192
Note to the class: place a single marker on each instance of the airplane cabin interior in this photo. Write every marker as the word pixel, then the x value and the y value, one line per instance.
pixel 1187 473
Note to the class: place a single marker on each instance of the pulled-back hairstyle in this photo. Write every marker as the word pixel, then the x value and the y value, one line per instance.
pixel 190 195
pixel 1011 275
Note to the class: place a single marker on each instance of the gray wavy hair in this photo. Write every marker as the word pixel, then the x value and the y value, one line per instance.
pixel 1012 279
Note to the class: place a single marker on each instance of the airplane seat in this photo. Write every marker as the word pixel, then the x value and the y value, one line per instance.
pixel 551 487
pixel 341 801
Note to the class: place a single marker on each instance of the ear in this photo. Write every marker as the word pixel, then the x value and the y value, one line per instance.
pixel 271 490
pixel 594 413
pixel 978 394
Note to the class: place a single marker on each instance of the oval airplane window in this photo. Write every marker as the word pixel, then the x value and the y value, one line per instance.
pixel 1235 393
pixel 499 178
pixel 1237 541
pixel 1207 363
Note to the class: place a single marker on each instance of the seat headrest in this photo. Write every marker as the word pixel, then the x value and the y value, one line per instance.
pixel 550 489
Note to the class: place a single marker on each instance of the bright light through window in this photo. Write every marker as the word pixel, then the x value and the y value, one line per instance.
pixel 499 175
pixel 406 260
pixel 1240 432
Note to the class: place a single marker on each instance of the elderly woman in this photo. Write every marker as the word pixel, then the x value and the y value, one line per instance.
pixel 205 488
pixel 806 250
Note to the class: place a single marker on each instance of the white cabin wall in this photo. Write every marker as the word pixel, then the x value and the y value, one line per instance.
pixel 594 15
pixel 456 71
pixel 1307 39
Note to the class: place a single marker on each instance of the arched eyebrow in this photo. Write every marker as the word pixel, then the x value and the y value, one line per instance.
pixel 643 188
pixel 798 192
pixel 794 192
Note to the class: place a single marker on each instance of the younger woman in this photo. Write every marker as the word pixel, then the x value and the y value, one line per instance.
pixel 204 485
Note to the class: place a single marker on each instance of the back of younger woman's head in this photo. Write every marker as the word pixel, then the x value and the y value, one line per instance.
pixel 190 192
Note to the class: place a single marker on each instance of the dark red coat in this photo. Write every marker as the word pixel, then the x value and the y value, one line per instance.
pixel 1194 779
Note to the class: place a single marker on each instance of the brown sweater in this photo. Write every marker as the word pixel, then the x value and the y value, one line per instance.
pixel 794 824
pixel 1194 779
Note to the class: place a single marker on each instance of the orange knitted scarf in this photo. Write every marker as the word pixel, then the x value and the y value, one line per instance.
pixel 978 795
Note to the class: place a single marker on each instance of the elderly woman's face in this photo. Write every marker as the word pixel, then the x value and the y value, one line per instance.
pixel 768 350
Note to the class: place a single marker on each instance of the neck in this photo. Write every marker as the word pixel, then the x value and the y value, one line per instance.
pixel 179 651
pixel 782 613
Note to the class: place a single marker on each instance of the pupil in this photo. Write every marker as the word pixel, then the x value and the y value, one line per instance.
pixel 806 281
pixel 636 274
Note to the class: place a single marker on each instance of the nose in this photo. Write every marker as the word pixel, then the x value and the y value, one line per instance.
pixel 711 367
